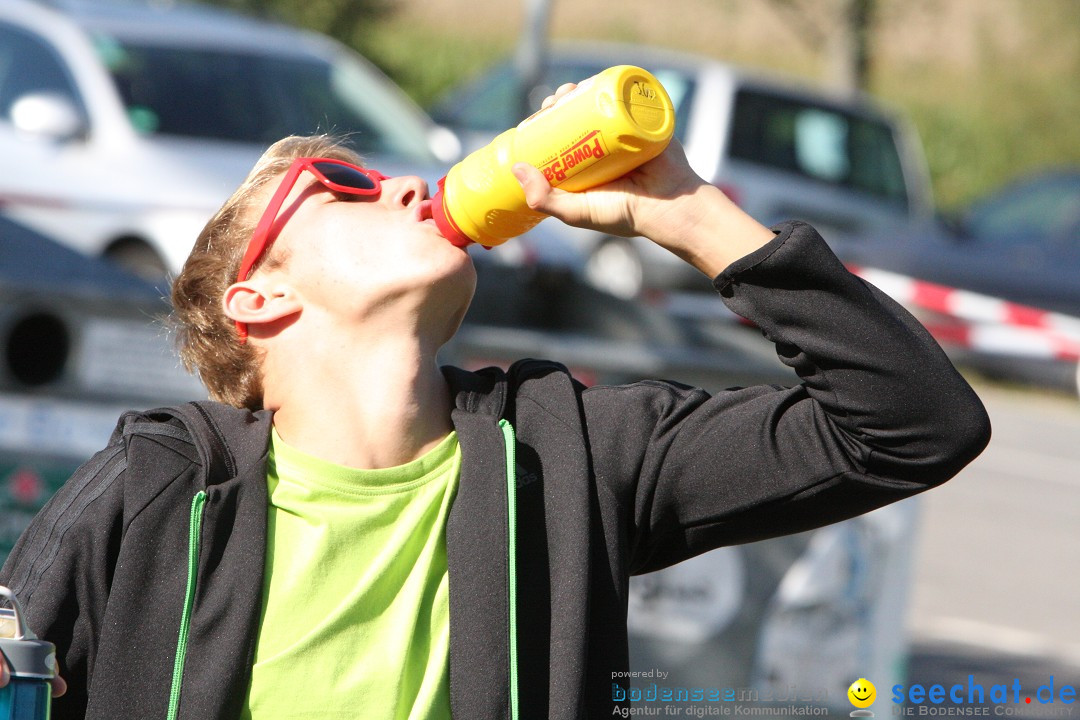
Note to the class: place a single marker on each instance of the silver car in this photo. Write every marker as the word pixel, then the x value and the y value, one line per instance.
pixel 778 148
pixel 123 126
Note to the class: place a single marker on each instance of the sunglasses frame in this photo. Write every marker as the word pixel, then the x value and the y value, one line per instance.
pixel 261 237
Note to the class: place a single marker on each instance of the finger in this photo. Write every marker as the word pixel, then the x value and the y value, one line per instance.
pixel 59 686
pixel 540 196
pixel 5 674
pixel 564 88
pixel 536 187
pixel 559 92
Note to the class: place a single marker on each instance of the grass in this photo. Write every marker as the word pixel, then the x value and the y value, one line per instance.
pixel 427 62
pixel 981 131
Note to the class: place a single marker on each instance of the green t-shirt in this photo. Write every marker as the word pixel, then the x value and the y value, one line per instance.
pixel 356 619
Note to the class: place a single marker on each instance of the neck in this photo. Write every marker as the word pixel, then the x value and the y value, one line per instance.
pixel 379 405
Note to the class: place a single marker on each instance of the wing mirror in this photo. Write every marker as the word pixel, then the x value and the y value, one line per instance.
pixel 444 143
pixel 48 114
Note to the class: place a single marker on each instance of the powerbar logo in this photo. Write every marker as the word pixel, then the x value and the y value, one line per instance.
pixel 576 158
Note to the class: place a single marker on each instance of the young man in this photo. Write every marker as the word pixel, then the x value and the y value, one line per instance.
pixel 354 531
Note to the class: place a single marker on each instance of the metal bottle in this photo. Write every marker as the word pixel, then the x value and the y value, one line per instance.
pixel 31 662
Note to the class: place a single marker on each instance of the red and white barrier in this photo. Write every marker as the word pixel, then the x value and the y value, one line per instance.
pixel 959 318
pixel 980 322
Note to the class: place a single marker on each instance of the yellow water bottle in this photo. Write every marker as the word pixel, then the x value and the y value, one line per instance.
pixel 605 127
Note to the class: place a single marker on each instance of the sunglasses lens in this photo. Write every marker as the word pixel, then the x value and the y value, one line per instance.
pixel 344 175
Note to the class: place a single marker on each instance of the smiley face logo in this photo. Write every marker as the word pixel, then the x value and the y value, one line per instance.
pixel 862 693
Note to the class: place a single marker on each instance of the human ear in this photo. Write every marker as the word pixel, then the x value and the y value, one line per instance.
pixel 255 303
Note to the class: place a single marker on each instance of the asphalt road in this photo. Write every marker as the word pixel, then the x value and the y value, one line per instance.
pixel 997 570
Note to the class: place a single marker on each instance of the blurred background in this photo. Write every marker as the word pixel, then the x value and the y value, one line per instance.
pixel 933 142
pixel 988 83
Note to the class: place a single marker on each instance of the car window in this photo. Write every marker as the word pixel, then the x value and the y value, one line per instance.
pixel 257 98
pixel 488 105
pixel 492 104
pixel 1041 210
pixel 28 65
pixel 818 143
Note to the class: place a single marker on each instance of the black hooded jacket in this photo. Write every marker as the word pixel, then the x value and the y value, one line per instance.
pixel 146 568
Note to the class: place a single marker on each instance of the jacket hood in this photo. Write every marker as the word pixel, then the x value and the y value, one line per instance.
pixel 209 423
pixel 482 392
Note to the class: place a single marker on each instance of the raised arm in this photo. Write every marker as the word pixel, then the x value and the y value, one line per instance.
pixel 880 413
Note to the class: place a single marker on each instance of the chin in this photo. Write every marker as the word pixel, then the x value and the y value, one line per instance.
pixel 450 300
pixel 460 290
pixel 455 270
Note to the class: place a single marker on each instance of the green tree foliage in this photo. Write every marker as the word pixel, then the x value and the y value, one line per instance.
pixel 354 22
pixel 424 60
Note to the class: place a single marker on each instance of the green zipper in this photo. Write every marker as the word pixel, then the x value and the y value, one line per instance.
pixel 194 532
pixel 511 503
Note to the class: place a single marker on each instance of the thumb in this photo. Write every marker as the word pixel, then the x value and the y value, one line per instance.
pixel 59 686
pixel 534 184
pixel 595 209
pixel 539 194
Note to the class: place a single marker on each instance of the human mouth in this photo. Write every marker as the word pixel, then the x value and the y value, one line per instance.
pixel 423 213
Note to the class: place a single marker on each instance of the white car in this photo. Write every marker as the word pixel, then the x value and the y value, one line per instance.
pixel 123 127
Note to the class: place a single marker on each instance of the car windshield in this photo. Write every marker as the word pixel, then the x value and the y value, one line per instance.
pixel 817 142
pixel 259 98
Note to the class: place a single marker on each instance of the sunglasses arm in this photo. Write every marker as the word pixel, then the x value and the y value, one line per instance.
pixel 262 230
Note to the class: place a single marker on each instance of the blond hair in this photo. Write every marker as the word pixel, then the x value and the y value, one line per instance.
pixel 208 341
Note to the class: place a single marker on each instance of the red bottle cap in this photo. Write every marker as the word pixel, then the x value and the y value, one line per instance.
pixel 445 223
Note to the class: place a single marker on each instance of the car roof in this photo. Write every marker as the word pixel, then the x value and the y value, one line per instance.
pixel 170 22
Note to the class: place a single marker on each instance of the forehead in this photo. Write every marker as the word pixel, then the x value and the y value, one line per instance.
pixel 267 184
pixel 257 197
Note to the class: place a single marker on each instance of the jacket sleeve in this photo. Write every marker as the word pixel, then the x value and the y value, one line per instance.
pixel 60 569
pixel 880 414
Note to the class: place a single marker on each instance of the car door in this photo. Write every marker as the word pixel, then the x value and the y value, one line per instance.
pixel 1022 244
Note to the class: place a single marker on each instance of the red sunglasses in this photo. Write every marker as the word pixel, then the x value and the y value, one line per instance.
pixel 337 175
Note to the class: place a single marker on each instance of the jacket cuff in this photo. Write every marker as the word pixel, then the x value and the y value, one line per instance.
pixel 722 283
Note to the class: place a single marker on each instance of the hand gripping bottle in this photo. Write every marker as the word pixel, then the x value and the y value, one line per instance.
pixel 28 696
pixel 602 129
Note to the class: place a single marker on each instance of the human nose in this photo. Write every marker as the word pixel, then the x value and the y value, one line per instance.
pixel 404 191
